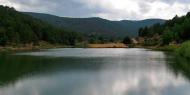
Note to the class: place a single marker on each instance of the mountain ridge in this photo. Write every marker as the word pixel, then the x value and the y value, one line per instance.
pixel 97 25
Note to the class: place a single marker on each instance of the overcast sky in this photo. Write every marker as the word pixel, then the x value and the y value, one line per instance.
pixel 108 9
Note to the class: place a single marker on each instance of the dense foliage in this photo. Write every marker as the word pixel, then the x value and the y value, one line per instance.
pixel 127 40
pixel 184 50
pixel 181 63
pixel 18 28
pixel 176 30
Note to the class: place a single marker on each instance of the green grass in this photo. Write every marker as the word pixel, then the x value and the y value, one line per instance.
pixel 42 45
pixel 171 48
pixel 184 50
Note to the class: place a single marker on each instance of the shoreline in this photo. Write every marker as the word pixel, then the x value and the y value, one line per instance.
pixel 22 48
pixel 51 46
pixel 108 45
pixel 169 48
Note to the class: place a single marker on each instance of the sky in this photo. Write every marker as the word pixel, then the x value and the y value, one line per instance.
pixel 107 9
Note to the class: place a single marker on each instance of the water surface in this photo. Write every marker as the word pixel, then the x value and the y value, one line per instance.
pixel 91 72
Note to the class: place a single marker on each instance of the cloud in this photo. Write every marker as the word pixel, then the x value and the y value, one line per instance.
pixel 109 9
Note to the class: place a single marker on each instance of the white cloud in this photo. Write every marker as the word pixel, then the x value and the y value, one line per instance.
pixel 109 9
pixel 139 9
pixel 166 11
pixel 9 3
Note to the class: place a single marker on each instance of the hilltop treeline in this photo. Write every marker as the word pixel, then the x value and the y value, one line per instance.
pixel 176 30
pixel 18 28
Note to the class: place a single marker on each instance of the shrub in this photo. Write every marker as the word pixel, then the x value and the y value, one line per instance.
pixel 184 50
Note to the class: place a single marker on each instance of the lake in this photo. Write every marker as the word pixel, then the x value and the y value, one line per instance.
pixel 77 71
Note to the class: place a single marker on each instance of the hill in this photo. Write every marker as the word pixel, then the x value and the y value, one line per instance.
pixel 17 28
pixel 97 26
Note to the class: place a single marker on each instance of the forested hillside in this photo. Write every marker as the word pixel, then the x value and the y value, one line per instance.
pixel 176 30
pixel 18 28
pixel 98 26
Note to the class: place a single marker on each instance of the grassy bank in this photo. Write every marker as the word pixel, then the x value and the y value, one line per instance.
pixel 181 63
pixel 30 47
pixel 46 45
pixel 184 50
pixel 171 48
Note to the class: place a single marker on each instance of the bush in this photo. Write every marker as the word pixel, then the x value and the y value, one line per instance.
pixel 167 37
pixel 127 40
pixel 150 42
pixel 184 50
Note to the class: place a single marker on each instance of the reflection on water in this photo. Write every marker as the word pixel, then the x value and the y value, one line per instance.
pixel 179 66
pixel 91 72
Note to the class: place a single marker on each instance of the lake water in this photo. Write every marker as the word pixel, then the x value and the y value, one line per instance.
pixel 73 71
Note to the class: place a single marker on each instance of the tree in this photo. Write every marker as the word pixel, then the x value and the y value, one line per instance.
pixel 127 40
pixel 19 28
pixel 3 37
pixel 167 37
pixel 143 32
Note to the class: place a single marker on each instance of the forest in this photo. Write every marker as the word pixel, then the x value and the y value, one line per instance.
pixel 18 28
pixel 174 31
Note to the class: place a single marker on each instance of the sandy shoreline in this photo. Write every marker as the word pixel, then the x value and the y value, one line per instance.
pixel 108 45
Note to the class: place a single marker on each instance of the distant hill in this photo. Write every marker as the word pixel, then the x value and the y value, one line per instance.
pixel 97 26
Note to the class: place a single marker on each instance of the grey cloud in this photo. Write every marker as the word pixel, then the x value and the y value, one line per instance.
pixel 91 8
pixel 57 7
pixel 144 7
pixel 172 1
